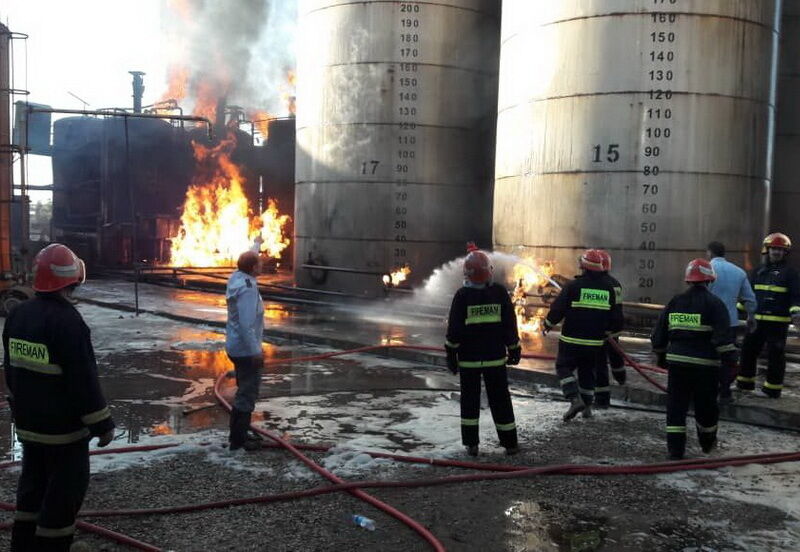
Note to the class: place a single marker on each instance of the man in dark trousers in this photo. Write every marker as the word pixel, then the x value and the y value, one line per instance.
pixel 777 289
pixel 692 340
pixel 56 403
pixel 243 337
pixel 602 389
pixel 482 339
pixel 589 308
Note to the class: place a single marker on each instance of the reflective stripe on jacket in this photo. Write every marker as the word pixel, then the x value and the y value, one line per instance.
pixel 51 373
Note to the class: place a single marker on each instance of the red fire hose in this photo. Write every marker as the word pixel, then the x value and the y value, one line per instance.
pixel 501 471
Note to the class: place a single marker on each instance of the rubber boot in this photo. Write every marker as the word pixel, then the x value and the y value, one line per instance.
pixel 511 451
pixel 472 450
pixel 238 429
pixel 709 444
pixel 576 407
pixel 676 445
pixel 771 393
pixel 587 412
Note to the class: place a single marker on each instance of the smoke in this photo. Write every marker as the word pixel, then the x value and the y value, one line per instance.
pixel 238 51
pixel 440 287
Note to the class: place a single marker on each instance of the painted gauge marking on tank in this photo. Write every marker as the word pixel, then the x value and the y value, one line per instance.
pixel 660 53
pixel 410 29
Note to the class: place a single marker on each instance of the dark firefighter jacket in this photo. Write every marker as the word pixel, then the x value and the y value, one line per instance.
pixel 481 326
pixel 590 310
pixel 694 329
pixel 51 373
pixel 777 288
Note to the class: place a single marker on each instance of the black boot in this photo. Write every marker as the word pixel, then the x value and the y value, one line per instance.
pixel 576 406
pixel 238 429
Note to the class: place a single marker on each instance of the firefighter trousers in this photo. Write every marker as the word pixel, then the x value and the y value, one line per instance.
pixel 602 383
pixel 496 380
pixel 584 361
pixel 773 334
pixel 50 492
pixel 688 384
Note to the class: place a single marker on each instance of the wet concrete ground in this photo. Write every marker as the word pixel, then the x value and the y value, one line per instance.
pixel 158 375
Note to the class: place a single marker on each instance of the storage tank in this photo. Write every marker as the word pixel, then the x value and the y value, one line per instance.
pixel 786 191
pixel 639 126
pixel 76 173
pixel 396 107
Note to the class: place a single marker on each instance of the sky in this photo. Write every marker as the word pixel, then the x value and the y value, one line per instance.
pixel 86 48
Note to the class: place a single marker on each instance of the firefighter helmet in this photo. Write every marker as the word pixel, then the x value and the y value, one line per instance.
pixel 777 240
pixel 56 267
pixel 592 259
pixel 700 270
pixel 477 268
pixel 606 259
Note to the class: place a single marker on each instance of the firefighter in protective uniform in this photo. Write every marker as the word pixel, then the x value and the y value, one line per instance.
pixel 602 389
pixel 777 289
pixel 56 403
pixel 591 313
pixel 482 339
pixel 692 340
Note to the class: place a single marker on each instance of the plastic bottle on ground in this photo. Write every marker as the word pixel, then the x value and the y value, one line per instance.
pixel 362 521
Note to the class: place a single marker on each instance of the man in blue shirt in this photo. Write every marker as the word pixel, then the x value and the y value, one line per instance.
pixel 732 287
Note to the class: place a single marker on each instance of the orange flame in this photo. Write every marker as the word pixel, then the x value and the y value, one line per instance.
pixel 529 277
pixel 177 83
pixel 161 429
pixel 261 121
pixel 397 277
pixel 216 226
pixel 288 93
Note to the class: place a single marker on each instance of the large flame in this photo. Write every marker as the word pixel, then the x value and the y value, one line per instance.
pixel 529 278
pixel 261 121
pixel 216 226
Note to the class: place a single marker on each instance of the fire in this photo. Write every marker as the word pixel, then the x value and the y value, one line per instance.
pixel 289 94
pixel 161 429
pixel 177 83
pixel 261 121
pixel 397 277
pixel 529 278
pixel 216 225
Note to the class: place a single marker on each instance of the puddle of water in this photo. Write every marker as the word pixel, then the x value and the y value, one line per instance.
pixel 531 532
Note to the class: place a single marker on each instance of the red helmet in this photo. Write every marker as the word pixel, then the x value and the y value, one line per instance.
pixel 592 259
pixel 777 240
pixel 56 267
pixel 700 270
pixel 477 268
pixel 606 259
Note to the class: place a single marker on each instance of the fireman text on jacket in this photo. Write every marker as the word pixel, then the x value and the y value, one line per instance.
pixel 483 314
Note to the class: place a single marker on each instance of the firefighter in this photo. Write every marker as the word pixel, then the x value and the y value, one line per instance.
pixel 692 340
pixel 243 336
pixel 777 290
pixel 482 339
pixel 602 389
pixel 56 403
pixel 589 308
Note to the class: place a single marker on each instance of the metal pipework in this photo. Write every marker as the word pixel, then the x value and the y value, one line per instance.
pixel 125 114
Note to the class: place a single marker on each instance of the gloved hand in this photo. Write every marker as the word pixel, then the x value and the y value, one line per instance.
pixel 620 375
pixel 104 439
pixel 452 361
pixel 751 324
pixel 514 356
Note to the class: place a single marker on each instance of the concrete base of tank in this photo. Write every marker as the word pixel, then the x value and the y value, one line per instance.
pixel 350 327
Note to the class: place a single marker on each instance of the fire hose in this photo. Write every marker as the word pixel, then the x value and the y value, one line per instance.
pixel 501 471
